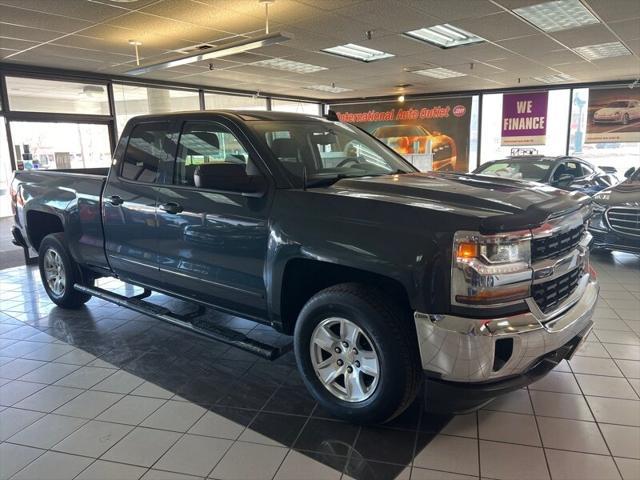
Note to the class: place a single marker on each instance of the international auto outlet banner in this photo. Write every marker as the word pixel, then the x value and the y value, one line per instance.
pixel 524 118
pixel 437 127
pixel 613 115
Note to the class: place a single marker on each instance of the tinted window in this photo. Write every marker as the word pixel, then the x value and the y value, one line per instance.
pixel 531 171
pixel 568 168
pixel 146 151
pixel 214 149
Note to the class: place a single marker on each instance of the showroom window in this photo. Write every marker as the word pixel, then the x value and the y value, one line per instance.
pixel 295 107
pixel 621 156
pixel 135 100
pixel 53 145
pixel 557 124
pixel 5 171
pixel 215 101
pixel 37 95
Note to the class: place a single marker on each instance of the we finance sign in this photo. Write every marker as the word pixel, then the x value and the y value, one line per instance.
pixel 524 118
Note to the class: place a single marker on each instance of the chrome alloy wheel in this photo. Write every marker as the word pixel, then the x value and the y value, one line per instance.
pixel 54 272
pixel 344 359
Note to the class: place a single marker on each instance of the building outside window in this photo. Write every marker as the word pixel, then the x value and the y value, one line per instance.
pixel 219 101
pixel 5 172
pixel 295 107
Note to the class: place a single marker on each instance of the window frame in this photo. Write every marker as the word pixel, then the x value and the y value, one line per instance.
pixel 171 153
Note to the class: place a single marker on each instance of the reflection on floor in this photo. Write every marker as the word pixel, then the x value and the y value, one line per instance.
pixel 107 393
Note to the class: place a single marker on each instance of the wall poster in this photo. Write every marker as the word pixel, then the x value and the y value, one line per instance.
pixel 524 118
pixel 613 115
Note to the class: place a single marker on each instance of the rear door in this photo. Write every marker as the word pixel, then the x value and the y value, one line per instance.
pixel 213 235
pixel 129 201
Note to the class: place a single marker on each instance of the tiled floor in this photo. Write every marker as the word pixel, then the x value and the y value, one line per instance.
pixel 105 393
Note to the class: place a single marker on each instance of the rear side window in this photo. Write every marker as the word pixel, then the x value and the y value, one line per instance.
pixel 146 152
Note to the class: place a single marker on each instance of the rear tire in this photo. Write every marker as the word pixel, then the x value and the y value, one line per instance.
pixel 60 272
pixel 357 352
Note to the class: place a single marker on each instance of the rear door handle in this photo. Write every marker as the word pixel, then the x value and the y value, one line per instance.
pixel 115 200
pixel 171 207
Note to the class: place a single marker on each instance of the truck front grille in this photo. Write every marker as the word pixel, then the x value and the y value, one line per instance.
pixel 549 295
pixel 555 245
pixel 624 220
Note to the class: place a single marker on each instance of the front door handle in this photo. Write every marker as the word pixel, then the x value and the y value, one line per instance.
pixel 171 207
pixel 115 200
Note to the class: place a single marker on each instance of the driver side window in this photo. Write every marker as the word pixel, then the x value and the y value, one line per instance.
pixel 567 168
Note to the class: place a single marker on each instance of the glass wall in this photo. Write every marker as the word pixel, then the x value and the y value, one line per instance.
pixel 45 145
pixel 135 100
pixel 557 124
pixel 621 156
pixel 35 95
pixel 218 101
pixel 295 107
pixel 5 172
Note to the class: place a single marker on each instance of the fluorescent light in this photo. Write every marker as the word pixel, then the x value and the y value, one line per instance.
pixel 216 52
pixel 555 78
pixel 439 73
pixel 602 50
pixel 327 88
pixel 444 36
pixel 357 52
pixel 557 15
pixel 288 65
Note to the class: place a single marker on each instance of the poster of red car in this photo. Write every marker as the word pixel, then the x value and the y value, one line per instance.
pixel 435 127
pixel 613 115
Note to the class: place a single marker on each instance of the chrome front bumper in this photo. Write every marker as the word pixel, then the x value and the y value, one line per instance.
pixel 461 349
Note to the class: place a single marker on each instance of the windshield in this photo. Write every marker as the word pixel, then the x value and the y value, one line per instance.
pixel 327 151
pixel 400 131
pixel 636 175
pixel 531 171
pixel 618 104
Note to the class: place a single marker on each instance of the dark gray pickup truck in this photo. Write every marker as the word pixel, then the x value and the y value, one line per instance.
pixel 390 280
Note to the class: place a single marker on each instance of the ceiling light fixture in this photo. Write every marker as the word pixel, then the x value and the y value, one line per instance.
pixel 266 4
pixel 558 15
pixel 136 44
pixel 439 73
pixel 602 50
pixel 444 36
pixel 358 52
pixel 288 65
pixel 555 78
pixel 327 88
pixel 216 52
pixel 401 98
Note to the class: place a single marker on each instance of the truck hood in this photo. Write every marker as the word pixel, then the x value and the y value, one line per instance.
pixel 625 194
pixel 500 204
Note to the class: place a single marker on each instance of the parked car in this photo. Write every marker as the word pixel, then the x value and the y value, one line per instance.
pixel 613 174
pixel 566 173
pixel 414 139
pixel 389 280
pixel 616 221
pixel 618 111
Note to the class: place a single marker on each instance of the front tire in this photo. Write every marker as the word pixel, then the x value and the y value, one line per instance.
pixel 60 272
pixel 357 353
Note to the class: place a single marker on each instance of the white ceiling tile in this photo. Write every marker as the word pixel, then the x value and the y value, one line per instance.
pixel 500 26
pixel 611 10
pixel 628 29
pixel 589 35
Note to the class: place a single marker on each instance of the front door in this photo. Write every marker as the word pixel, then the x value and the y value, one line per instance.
pixel 212 235
pixel 129 203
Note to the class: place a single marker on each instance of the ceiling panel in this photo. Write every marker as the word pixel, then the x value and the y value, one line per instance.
pixel 500 26
pixel 591 35
pixel 46 21
pixel 611 10
pixel 69 8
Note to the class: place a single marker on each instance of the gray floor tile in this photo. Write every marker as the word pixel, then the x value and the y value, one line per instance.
pixel 53 466
pixel 162 475
pixel 595 366
pixel 563 405
pixel 507 461
pixel 630 368
pixel 176 416
pixel 462 426
pixel 13 420
pixel 131 410
pixel 615 410
pixel 250 462
pixel 119 382
pixel 450 454
pixel 606 386
pixel 15 390
pixel 508 427
pixel 214 425
pixel 76 357
pixel 85 377
pixel 561 382
pixel 19 367
pixel 623 352
pixel 93 439
pixel 49 398
pixel 148 389
pixel 142 446
pixel 297 466
pixel 89 404
pixel 49 352
pixel 101 470
pixel 49 373
pixel 623 441
pixel 47 431
pixel 583 466
pixel 194 455
pixel 629 468
pixel 426 474
pixel 613 336
pixel 515 402
pixel 15 457
pixel 576 435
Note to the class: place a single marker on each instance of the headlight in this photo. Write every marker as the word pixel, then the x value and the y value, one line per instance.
pixel 597 221
pixel 489 270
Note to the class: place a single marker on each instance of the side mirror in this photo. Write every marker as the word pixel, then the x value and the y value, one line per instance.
pixel 228 177
pixel 563 180
pixel 629 172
